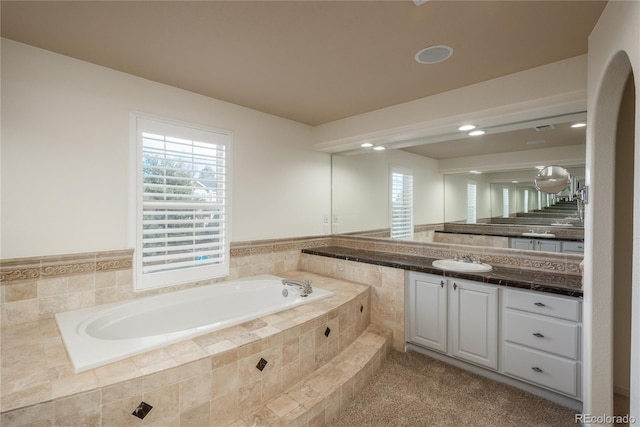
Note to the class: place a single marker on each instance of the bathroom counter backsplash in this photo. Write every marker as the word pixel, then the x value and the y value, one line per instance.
pixel 536 274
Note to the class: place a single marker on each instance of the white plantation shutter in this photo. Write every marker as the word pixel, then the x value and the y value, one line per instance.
pixel 505 202
pixel 401 204
pixel 182 204
pixel 526 200
pixel 471 202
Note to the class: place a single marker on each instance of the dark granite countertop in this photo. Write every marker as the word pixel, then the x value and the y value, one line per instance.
pixel 516 235
pixel 562 284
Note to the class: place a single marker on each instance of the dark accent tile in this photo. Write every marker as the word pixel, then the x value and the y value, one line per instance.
pixel 142 410
pixel 261 364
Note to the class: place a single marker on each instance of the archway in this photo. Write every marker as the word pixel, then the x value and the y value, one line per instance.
pixel 609 253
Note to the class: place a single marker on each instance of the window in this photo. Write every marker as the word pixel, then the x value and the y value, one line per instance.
pixel 401 204
pixel 182 203
pixel 472 205
pixel 505 202
pixel 526 200
pixel 539 200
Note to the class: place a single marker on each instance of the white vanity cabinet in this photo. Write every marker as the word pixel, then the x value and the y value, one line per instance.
pixel 542 339
pixel 528 244
pixel 526 338
pixel 456 317
pixel 427 326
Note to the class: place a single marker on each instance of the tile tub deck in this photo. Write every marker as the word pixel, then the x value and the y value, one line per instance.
pixel 216 369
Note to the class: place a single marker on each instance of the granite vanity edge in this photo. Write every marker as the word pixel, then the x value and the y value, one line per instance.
pixel 519 236
pixel 371 257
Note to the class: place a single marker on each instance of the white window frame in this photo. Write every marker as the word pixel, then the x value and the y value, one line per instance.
pixel 194 134
pixel 401 179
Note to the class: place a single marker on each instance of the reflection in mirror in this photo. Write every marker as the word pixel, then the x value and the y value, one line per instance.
pixel 508 198
pixel 361 191
pixel 552 179
pixel 442 195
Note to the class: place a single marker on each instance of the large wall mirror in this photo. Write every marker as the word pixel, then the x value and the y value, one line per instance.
pixel 501 163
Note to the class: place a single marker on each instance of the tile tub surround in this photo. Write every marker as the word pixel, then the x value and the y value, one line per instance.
pixel 213 375
pixel 387 289
pixel 36 288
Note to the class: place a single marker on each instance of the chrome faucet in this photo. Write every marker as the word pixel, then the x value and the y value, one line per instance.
pixel 305 286
pixel 466 258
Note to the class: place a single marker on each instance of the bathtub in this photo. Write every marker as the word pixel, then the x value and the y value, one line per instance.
pixel 99 335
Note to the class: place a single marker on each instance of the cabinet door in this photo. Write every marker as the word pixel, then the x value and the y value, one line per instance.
pixel 473 310
pixel 548 245
pixel 522 244
pixel 428 311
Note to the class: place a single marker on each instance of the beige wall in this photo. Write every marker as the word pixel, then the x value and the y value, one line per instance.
pixel 65 157
pixel 614 52
pixel 623 242
pixel 360 189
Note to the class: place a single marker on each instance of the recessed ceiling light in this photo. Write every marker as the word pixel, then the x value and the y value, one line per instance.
pixel 475 172
pixel 379 148
pixel 466 127
pixel 578 125
pixel 514 182
pixel 476 132
pixel 434 54
pixel 366 145
pixel 540 167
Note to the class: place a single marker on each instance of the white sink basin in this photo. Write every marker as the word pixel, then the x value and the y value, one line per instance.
pixel 461 266
pixel 539 234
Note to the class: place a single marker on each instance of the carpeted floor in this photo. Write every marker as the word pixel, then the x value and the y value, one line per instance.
pixel 415 390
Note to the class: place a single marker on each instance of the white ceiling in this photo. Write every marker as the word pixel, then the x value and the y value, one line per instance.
pixel 308 61
pixel 538 134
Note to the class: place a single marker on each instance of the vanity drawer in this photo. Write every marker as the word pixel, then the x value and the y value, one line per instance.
pixel 573 247
pixel 545 304
pixel 542 333
pixel 540 368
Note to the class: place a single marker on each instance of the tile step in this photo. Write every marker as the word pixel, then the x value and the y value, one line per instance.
pixel 319 397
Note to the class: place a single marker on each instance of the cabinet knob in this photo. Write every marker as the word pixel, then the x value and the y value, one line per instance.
pixel 455 286
pixel 539 304
pixel 536 369
pixel 538 334
pixel 442 283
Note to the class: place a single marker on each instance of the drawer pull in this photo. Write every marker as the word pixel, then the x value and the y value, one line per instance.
pixel 536 369
pixel 539 304
pixel 538 334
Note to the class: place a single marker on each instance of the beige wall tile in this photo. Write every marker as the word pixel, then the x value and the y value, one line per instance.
pixel 197 416
pixel 194 392
pixel 20 291
pixel 27 416
pixel 225 408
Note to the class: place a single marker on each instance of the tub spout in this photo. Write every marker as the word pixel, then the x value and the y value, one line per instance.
pixel 305 286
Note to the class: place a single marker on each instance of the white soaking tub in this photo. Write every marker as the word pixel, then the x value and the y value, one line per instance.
pixel 99 335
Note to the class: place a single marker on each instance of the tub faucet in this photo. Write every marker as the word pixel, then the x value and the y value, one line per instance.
pixel 305 286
